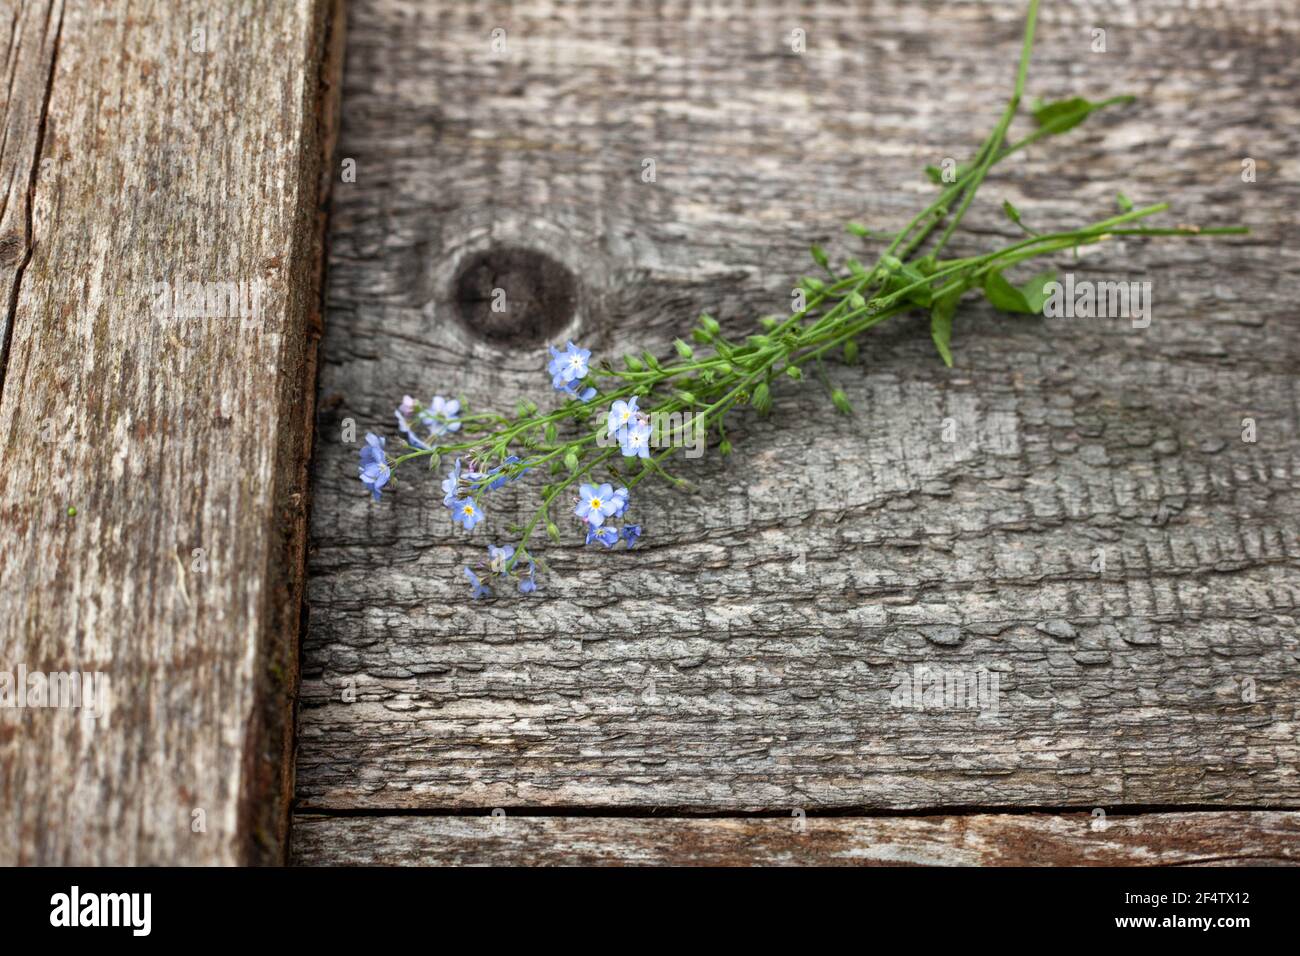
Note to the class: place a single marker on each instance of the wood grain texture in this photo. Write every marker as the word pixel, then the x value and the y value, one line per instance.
pixel 176 142
pixel 28 34
pixel 1158 839
pixel 745 657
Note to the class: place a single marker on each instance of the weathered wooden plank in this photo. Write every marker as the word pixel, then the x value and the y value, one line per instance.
pixel 1078 839
pixel 176 143
pixel 746 657
pixel 28 33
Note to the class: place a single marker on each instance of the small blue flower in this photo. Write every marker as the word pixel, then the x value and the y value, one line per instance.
pixel 480 589
pixel 500 479
pixel 621 414
pixel 595 504
pixel 568 366
pixel 499 558
pixel 635 441
pixel 440 416
pixel 630 533
pixel 465 512
pixel 620 500
pixel 576 390
pixel 374 464
pixel 608 536
pixel 529 584
pixel 403 414
pixel 451 485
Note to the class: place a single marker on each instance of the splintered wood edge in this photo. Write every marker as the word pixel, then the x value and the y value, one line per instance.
pixel 269 748
pixel 985 839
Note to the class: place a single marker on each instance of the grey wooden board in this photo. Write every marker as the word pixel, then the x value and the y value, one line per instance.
pixel 744 657
pixel 1080 839
pixel 151 142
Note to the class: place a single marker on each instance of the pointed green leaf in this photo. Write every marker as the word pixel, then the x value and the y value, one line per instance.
pixel 941 324
pixel 1035 291
pixel 1003 294
pixel 1027 298
pixel 1064 115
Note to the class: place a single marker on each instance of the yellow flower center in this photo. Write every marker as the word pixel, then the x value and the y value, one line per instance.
pixel 469 509
pixel 595 502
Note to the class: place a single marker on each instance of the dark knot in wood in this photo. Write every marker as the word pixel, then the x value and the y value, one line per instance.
pixel 515 295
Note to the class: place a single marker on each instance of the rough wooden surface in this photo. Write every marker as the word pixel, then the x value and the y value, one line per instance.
pixel 744 658
pixel 1156 839
pixel 28 32
pixel 172 142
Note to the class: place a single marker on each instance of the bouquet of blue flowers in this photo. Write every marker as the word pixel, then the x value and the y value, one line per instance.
pixel 618 423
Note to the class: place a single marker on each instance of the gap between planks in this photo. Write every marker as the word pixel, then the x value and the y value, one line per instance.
pixel 980 839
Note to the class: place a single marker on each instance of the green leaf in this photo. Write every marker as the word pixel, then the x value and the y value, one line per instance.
pixel 1035 291
pixel 1003 294
pixel 1064 115
pixel 684 350
pixel 941 324
pixel 1027 298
